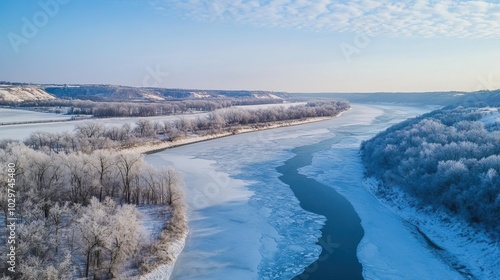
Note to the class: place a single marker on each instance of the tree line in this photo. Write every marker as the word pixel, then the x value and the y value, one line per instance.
pixel 77 217
pixel 94 135
pixel 449 158
pixel 137 109
pixel 124 109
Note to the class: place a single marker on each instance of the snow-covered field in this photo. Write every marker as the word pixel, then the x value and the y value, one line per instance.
pixel 16 115
pixel 246 224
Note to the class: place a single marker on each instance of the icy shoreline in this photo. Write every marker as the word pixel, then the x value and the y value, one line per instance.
pixel 467 249
pixel 156 147
pixel 164 271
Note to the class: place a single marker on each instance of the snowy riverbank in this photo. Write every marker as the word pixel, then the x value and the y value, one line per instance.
pixel 158 146
pixel 468 249
pixel 164 271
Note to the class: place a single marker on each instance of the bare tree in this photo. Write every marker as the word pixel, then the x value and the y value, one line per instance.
pixel 103 164
pixel 169 184
pixel 82 182
pixel 92 129
pixel 128 165
pixel 144 128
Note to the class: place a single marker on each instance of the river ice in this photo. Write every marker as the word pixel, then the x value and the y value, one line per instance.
pixel 246 224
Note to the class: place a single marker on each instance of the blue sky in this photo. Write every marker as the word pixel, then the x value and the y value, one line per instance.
pixel 281 45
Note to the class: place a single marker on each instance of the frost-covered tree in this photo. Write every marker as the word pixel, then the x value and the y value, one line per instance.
pixel 125 237
pixel 448 158
pixel 63 269
pixel 107 236
pixel 216 120
pixel 183 124
pixel 91 129
pixel 46 179
pixel 92 230
pixel 68 213
pixel 58 220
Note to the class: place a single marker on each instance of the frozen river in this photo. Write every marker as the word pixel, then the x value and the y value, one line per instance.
pixel 246 223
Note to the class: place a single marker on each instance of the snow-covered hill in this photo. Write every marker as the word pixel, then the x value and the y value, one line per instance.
pixel 16 93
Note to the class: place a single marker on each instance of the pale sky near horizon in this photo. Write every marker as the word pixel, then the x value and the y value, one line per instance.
pixel 281 45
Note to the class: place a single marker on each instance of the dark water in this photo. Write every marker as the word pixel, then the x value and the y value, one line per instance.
pixel 342 232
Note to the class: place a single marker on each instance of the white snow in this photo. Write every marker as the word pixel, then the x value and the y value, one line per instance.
pixel 154 218
pixel 199 94
pixel 23 93
pixel 22 131
pixel 266 96
pixel 17 115
pixel 152 96
pixel 164 271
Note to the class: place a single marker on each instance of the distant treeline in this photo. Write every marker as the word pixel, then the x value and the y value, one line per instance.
pixel 138 109
pixel 449 158
pixel 91 136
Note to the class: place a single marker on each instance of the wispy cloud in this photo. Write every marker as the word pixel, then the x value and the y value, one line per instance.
pixel 415 18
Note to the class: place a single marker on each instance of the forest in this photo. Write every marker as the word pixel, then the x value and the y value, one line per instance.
pixel 75 213
pixel 448 159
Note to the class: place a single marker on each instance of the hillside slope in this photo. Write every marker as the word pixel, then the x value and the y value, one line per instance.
pixel 18 93
pixel 115 93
